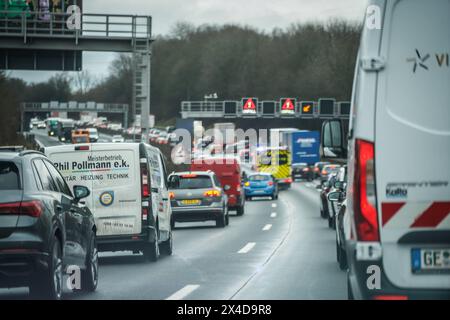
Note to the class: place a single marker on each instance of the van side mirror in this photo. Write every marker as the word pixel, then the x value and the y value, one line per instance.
pixel 80 192
pixel 333 140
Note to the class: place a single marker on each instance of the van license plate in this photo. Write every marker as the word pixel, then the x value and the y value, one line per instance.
pixel 430 260
pixel 190 202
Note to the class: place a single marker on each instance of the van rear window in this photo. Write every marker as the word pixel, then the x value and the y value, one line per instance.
pixel 9 176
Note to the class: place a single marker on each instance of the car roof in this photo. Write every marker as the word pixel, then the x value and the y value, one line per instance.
pixel 259 174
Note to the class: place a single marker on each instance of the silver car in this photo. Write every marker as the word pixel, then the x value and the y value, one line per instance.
pixel 197 196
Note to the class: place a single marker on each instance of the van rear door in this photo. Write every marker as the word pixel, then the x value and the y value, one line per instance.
pixel 412 143
pixel 111 172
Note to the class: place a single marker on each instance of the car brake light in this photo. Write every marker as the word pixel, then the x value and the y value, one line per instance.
pixel 390 297
pixel 144 179
pixel 26 208
pixel 324 172
pixel 212 193
pixel 270 183
pixel 305 169
pixel 288 180
pixel 190 175
pixel 366 219
pixel 316 169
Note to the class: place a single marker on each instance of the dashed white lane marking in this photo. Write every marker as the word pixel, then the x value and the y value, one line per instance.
pixel 249 246
pixel 184 292
pixel 273 215
pixel 274 205
pixel 267 227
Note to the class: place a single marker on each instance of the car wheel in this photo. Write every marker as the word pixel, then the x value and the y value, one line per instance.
pixel 151 252
pixel 89 277
pixel 220 221
pixel 240 211
pixel 349 289
pixel 49 286
pixel 167 246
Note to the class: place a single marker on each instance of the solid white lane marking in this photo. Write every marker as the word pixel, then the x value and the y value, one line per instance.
pixel 274 205
pixel 249 246
pixel 273 215
pixel 184 292
pixel 267 227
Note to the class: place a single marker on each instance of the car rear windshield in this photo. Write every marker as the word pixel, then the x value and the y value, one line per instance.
pixel 197 182
pixel 259 177
pixel 9 176
pixel 81 139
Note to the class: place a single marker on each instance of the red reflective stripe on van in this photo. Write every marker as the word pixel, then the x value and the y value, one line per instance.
pixel 433 216
pixel 389 209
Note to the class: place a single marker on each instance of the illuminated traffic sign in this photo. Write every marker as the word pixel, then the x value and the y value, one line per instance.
pixel 307 108
pixel 287 106
pixel 249 106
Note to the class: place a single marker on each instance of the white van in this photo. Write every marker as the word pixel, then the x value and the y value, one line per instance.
pixel 398 191
pixel 129 197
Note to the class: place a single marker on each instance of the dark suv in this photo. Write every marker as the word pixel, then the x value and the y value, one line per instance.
pixel 44 228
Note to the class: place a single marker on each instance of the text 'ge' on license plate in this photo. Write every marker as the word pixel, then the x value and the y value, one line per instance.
pixel 430 260
pixel 194 202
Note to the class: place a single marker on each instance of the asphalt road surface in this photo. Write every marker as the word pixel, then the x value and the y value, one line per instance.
pixel 279 249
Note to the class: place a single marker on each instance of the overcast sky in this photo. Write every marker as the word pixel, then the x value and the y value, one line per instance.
pixel 261 14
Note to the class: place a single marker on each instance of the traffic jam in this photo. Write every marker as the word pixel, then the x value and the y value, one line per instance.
pixel 208 211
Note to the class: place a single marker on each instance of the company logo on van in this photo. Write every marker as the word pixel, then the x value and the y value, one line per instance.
pixel 107 198
pixel 396 192
pixel 422 60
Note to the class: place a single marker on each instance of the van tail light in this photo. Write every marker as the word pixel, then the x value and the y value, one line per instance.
pixel 390 297
pixel 288 180
pixel 270 183
pixel 25 208
pixel 144 214
pixel 144 179
pixel 212 193
pixel 366 219
pixel 238 188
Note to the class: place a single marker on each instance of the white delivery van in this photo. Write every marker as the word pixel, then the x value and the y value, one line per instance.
pixel 398 195
pixel 129 196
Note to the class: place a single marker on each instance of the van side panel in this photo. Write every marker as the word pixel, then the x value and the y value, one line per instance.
pixel 412 137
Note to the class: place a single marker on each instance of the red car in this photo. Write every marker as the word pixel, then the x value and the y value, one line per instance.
pixel 228 170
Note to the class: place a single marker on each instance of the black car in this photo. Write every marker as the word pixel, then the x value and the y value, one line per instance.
pixel 317 169
pixel 302 171
pixel 44 228
pixel 326 187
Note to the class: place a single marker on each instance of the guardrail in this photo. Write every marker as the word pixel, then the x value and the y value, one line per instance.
pixel 36 24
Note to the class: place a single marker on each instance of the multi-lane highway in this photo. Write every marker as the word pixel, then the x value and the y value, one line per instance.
pixel 278 250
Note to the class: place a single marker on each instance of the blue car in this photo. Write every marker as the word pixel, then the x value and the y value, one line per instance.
pixel 261 185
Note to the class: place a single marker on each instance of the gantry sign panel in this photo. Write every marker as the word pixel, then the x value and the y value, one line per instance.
pixel 38 16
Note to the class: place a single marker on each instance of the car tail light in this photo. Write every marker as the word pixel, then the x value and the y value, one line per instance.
pixel 305 169
pixel 316 169
pixel 288 180
pixel 25 208
pixel 364 192
pixel 324 172
pixel 270 183
pixel 390 297
pixel 144 179
pixel 171 195
pixel 212 193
